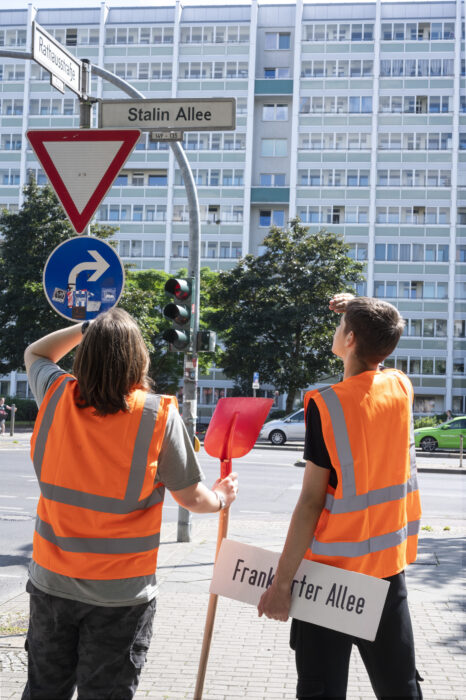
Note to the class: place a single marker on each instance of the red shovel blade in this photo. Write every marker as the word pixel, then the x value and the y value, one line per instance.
pixel 235 426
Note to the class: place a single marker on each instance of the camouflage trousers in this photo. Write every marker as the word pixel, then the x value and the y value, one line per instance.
pixel 101 650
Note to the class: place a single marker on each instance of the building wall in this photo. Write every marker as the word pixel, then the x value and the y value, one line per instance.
pixel 352 116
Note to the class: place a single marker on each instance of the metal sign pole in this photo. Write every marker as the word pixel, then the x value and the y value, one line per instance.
pixel 190 368
pixel 85 104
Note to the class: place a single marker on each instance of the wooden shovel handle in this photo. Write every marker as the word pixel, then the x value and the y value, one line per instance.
pixel 211 610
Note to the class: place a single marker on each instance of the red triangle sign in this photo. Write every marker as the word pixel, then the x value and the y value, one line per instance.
pixel 82 165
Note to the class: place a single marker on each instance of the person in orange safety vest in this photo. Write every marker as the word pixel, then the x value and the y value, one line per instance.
pixel 359 507
pixel 104 449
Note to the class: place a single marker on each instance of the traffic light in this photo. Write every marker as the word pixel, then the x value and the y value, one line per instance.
pixel 206 341
pixel 180 313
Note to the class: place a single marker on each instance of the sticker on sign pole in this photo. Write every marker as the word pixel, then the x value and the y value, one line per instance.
pixel 83 277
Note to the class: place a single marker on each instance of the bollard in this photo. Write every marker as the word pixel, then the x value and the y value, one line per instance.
pixel 12 419
pixel 461 450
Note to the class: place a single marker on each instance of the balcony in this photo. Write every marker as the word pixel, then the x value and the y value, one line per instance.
pixel 269 195
pixel 267 86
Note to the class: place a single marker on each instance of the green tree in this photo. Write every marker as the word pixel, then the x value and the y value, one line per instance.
pixel 28 238
pixel 272 310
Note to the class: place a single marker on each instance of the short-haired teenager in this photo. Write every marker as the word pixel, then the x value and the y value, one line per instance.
pixel 359 506
pixel 104 450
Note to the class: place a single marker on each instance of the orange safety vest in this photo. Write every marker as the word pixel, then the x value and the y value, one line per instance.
pixel 99 513
pixel 370 522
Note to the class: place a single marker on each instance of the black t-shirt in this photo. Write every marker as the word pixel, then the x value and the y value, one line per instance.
pixel 315 449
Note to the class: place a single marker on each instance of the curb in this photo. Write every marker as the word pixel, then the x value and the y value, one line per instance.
pixel 425 470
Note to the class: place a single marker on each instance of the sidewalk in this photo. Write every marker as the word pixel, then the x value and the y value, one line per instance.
pixel 250 657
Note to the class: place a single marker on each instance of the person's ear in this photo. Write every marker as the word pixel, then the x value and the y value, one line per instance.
pixel 349 339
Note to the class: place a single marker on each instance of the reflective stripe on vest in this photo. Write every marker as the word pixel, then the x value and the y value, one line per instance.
pixel 351 502
pixel 97 545
pixel 373 544
pixel 103 504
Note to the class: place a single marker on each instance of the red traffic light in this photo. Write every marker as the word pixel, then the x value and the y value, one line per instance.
pixel 181 289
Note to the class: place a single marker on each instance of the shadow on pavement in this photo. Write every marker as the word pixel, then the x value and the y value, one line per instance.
pixel 17 559
pixel 439 564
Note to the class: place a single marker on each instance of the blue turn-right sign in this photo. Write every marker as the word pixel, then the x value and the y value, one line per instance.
pixel 83 277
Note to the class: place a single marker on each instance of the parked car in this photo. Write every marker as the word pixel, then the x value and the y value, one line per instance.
pixel 288 428
pixel 446 435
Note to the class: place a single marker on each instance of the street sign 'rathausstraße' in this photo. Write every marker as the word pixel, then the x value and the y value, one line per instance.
pixel 178 114
pixel 59 62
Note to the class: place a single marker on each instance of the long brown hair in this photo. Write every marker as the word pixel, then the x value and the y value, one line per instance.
pixel 111 361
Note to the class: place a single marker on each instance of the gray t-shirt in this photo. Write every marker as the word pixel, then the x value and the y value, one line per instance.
pixel 177 469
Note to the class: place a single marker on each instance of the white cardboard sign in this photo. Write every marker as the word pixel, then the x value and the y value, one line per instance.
pixel 325 595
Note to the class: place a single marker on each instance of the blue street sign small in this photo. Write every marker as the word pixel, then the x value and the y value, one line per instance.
pixel 83 277
pixel 255 377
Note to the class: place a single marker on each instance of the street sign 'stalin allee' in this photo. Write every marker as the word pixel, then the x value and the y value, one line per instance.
pixel 178 114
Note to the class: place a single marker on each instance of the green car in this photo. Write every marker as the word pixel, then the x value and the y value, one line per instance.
pixel 446 435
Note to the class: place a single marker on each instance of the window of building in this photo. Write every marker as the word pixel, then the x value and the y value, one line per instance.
pixel 277 40
pixel 158 179
pixel 137 179
pixel 358 251
pixel 138 210
pixel 224 250
pixel 276 73
pixel 159 249
pixel 272 179
pixel 71 37
pixel 458 365
pixel 275 112
pixel 265 218
pixel 338 32
pixel 273 217
pixel 124 248
pixel 241 105
pixel 274 147
pixel 461 253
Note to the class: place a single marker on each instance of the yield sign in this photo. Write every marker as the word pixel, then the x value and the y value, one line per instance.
pixel 81 165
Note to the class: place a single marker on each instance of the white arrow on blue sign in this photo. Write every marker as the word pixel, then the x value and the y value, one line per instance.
pixel 83 277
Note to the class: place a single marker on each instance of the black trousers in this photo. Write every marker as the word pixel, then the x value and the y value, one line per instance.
pixel 98 649
pixel 323 655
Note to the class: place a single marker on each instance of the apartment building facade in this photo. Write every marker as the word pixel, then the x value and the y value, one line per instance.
pixel 351 116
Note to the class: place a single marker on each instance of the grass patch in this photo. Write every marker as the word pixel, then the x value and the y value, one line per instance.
pixel 14 624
